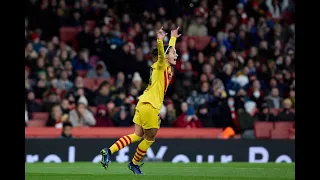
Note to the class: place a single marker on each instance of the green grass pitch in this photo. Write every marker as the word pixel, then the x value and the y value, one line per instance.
pixel 160 171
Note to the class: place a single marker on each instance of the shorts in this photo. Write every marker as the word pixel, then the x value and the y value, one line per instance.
pixel 147 116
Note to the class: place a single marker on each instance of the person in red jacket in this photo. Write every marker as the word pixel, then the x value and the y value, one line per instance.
pixel 188 119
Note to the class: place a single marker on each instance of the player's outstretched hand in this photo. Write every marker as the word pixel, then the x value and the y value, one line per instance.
pixel 161 34
pixel 175 33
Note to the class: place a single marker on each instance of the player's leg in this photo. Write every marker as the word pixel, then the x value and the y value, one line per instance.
pixel 149 117
pixel 127 139
pixel 149 138
pixel 123 141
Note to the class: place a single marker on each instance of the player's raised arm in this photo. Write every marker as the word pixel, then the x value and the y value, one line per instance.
pixel 161 57
pixel 174 36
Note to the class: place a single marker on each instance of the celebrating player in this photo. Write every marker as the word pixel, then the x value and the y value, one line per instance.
pixel 146 118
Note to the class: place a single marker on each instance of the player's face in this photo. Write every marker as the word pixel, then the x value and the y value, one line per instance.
pixel 172 56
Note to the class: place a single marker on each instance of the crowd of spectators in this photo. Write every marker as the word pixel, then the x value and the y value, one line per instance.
pixel 245 73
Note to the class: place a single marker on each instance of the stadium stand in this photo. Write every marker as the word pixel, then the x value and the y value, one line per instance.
pixel 236 66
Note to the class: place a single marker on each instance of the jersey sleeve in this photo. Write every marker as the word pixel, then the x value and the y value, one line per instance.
pixel 172 41
pixel 161 56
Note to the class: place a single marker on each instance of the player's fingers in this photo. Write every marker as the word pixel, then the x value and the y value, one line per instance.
pixel 160 29
pixel 179 35
pixel 178 28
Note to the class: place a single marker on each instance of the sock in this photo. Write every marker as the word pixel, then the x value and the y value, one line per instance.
pixel 141 151
pixel 124 141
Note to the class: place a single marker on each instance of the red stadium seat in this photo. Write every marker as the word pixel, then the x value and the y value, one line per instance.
pixel 92 24
pixel 262 129
pixel 283 125
pixel 274 111
pixel 40 115
pixel 89 83
pixel 36 123
pixel 291 110
pixel 280 134
pixel 202 42
pixel 82 73
pixel 38 101
pixel 68 33
pixel 100 80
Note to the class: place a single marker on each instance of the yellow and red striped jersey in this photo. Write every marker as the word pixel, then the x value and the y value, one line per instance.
pixel 160 78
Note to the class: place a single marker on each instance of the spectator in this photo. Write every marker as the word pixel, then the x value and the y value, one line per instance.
pixel 292 97
pixel 85 38
pixel 250 52
pixel 246 118
pixel 100 71
pixel 81 62
pixel 81 116
pixel 188 120
pixel 56 118
pixel 170 116
pixel 286 114
pixel 102 94
pixel 66 131
pixel 274 100
pixel 275 8
pixel 205 116
pixel 32 104
pixel 63 82
pixel 102 117
pixel 122 118
pixel 197 27
pixel 266 115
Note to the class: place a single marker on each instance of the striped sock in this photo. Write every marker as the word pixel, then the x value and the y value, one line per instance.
pixel 124 141
pixel 141 151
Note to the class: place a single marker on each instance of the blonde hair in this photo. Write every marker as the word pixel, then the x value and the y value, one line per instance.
pixel 287 101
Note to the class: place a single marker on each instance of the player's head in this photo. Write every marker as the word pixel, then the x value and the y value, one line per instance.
pixel 170 53
pixel 67 129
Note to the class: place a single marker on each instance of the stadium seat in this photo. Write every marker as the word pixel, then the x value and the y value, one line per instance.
pixel 92 24
pixel 100 80
pixel 36 123
pixel 82 73
pixel 279 134
pixel 38 101
pixel 262 129
pixel 283 125
pixel 202 42
pixel 274 111
pixel 89 83
pixel 68 33
pixel 40 115
pixel 291 110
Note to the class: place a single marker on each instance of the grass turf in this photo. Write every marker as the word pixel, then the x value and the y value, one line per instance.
pixel 157 171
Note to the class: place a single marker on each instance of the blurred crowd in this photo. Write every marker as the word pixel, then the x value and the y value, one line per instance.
pixel 246 73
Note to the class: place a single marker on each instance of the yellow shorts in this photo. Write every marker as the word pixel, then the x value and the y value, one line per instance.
pixel 147 116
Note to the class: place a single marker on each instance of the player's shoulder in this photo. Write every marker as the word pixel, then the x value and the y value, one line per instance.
pixel 156 66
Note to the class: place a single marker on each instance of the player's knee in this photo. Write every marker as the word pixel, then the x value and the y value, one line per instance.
pixel 150 137
pixel 150 134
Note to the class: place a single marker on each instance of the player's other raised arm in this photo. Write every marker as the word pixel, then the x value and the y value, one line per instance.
pixel 161 57
pixel 174 36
